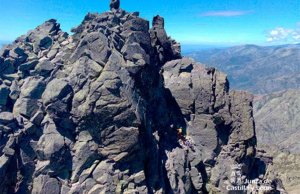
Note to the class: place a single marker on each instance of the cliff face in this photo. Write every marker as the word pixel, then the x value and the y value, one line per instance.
pixel 99 112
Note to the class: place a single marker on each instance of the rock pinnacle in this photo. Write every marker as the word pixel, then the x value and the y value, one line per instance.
pixel 114 4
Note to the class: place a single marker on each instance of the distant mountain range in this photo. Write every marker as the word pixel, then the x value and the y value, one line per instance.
pixel 258 69
pixel 278 120
pixel 187 48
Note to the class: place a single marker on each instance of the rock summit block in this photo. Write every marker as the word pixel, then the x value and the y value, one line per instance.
pixel 114 4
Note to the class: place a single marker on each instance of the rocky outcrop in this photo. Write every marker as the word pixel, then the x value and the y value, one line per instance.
pixel 100 111
pixel 219 123
pixel 114 5
pixel 165 47
pixel 281 166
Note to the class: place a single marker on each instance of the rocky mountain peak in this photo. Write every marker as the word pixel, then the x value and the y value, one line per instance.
pixel 158 22
pixel 115 108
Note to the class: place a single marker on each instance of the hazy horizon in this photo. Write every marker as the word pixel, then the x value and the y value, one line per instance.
pixel 186 48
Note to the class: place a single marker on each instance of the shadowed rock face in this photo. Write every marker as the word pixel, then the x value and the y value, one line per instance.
pixel 98 112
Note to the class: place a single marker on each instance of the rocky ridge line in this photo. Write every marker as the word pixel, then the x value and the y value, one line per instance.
pixel 98 112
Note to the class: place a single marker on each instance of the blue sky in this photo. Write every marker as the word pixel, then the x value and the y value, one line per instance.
pixel 216 22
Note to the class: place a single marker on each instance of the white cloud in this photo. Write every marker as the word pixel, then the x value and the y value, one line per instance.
pixel 296 34
pixel 281 34
pixel 226 13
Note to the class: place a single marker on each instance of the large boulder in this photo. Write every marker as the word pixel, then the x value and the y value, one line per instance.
pixel 6 117
pixel 114 4
pixel 4 92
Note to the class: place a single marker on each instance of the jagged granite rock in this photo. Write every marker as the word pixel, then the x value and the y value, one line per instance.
pixel 165 47
pixel 98 112
pixel 114 4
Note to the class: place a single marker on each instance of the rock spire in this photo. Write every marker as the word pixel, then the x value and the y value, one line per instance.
pixel 114 4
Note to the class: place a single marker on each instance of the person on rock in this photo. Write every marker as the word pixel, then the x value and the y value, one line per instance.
pixel 186 141
pixel 180 133
pixel 114 4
